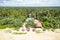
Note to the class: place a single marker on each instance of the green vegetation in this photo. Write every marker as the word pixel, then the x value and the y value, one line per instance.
pixel 30 23
pixel 19 33
pixel 38 31
pixel 14 17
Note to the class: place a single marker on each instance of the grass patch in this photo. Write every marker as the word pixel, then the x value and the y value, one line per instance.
pixel 19 33
pixel 3 27
pixel 38 31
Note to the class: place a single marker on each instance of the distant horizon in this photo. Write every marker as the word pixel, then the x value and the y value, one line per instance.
pixel 34 6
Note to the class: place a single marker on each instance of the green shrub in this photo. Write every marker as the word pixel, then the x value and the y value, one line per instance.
pixel 46 25
pixel 38 31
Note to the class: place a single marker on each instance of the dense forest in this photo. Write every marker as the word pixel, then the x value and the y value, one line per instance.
pixel 14 17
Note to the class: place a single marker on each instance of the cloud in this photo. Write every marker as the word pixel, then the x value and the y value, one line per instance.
pixel 29 3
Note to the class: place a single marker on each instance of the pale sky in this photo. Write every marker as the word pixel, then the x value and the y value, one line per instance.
pixel 29 2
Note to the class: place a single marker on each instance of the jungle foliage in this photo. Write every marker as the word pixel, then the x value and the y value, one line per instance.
pixel 16 16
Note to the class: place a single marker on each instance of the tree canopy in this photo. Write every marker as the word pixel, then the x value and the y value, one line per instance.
pixel 15 16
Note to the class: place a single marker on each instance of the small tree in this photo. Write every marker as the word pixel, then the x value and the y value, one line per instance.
pixel 30 23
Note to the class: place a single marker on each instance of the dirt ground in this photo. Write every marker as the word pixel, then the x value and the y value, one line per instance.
pixel 30 36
